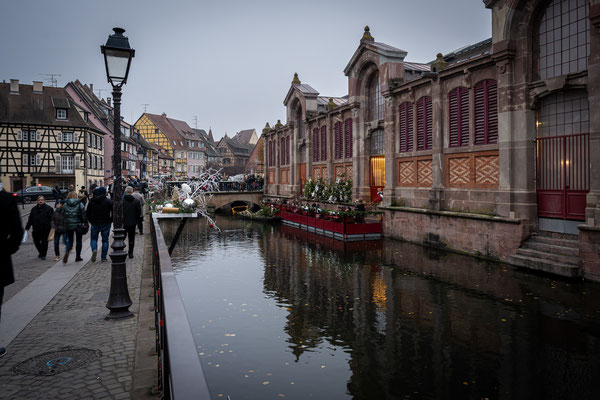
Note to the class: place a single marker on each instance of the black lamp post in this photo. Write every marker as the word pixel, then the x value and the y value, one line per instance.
pixel 117 58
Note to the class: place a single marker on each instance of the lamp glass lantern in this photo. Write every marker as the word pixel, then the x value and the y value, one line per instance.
pixel 117 57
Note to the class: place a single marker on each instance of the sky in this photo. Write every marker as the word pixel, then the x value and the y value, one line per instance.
pixel 226 64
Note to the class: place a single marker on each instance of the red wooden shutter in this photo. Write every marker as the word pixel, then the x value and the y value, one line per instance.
pixel 406 127
pixel 486 112
pixel 323 143
pixel 337 129
pixel 424 132
pixel 348 138
pixel 458 104
pixel 316 144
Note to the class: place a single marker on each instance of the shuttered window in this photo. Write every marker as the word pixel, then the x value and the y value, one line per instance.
pixel 348 137
pixel 339 140
pixel 406 127
pixel 458 111
pixel 316 144
pixel 486 112
pixel 424 121
pixel 287 149
pixel 323 143
pixel 282 152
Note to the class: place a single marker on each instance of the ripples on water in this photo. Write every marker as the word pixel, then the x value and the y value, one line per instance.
pixel 281 313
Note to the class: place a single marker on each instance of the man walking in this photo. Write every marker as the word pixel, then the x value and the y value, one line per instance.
pixel 11 233
pixel 131 212
pixel 140 198
pixel 40 218
pixel 99 215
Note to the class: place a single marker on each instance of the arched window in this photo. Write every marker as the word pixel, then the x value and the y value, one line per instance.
pixel 486 112
pixel 339 140
pixel 323 143
pixel 424 122
pixel 458 112
pixel 406 126
pixel 287 150
pixel 375 99
pixel 299 122
pixel 563 38
pixel 315 144
pixel 282 160
pixel 348 135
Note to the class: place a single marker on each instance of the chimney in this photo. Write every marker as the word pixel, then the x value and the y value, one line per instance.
pixel 164 115
pixel 14 86
pixel 92 87
pixel 108 101
pixel 38 87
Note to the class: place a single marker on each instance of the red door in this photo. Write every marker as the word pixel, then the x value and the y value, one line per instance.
pixel 563 176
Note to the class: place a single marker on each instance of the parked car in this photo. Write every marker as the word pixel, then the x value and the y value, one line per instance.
pixel 31 193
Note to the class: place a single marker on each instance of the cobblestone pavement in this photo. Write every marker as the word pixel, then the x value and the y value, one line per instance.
pixel 75 318
pixel 26 265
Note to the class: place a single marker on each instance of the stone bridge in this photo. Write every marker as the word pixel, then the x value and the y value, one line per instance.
pixel 222 199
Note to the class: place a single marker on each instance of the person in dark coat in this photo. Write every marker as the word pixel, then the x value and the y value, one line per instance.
pixel 40 218
pixel 74 214
pixel 99 214
pixel 58 224
pixel 57 195
pixel 132 210
pixel 11 233
pixel 83 195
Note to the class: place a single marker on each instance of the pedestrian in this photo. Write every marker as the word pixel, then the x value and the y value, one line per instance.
pixel 40 218
pixel 140 198
pixel 131 212
pixel 58 224
pixel 83 195
pixel 57 195
pixel 75 221
pixel 11 233
pixel 99 214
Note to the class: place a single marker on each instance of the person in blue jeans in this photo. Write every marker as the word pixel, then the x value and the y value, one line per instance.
pixel 99 215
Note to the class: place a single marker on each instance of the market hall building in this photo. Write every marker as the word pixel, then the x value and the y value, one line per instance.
pixel 489 150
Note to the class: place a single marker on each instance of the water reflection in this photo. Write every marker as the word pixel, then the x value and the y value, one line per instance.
pixel 315 318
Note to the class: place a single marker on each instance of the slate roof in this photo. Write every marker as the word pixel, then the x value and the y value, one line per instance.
pixel 238 148
pixel 338 101
pixel 244 136
pixel 468 52
pixel 38 108
pixel 96 105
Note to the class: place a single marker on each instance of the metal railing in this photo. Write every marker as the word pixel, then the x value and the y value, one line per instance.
pixel 180 374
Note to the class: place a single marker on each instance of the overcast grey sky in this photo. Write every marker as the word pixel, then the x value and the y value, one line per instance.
pixel 228 62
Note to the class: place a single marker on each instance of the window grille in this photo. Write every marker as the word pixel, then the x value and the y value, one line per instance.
pixel 424 122
pixel 377 142
pixel 486 112
pixel 563 38
pixel 406 127
pixel 375 99
pixel 458 111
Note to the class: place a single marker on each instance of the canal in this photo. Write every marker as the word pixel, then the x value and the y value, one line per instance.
pixel 281 313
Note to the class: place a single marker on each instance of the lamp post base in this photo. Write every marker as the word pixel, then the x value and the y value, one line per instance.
pixel 118 299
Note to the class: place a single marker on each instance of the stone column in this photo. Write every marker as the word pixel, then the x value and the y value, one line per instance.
pixel 436 194
pixel 391 169
pixel 294 165
pixel 589 232
pixel 360 157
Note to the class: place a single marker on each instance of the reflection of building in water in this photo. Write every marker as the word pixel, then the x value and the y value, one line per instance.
pixel 431 322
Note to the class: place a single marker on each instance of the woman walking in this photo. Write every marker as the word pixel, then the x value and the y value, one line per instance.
pixel 58 224
pixel 75 219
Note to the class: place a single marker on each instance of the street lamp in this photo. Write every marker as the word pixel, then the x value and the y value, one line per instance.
pixel 117 58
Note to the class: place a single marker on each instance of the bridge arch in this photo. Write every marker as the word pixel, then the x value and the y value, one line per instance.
pixel 223 199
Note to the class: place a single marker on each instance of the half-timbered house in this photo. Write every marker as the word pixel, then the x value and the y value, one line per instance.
pixel 45 139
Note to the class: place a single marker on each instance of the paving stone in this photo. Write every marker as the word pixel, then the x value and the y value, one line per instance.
pixel 72 319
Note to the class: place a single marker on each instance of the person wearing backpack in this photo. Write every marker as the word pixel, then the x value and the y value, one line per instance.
pixel 75 222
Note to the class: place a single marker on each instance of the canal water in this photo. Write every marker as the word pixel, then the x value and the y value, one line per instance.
pixel 281 313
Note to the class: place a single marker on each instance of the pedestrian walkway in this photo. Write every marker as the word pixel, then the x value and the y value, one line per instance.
pixel 63 311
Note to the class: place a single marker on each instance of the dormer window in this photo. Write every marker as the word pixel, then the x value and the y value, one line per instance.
pixel 61 113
